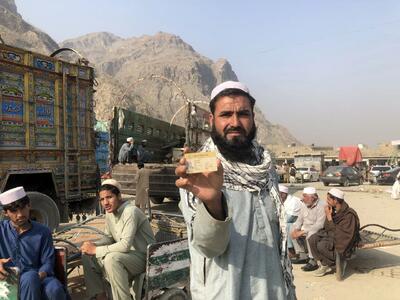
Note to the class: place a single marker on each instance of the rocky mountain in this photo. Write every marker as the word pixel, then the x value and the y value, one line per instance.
pixel 124 65
pixel 15 31
pixel 148 74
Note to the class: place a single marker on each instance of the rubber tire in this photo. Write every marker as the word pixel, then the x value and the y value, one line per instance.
pixel 174 294
pixel 325 183
pixel 156 200
pixel 361 182
pixel 346 182
pixel 46 208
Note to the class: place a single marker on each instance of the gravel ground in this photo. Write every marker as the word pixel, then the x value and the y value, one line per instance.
pixel 372 274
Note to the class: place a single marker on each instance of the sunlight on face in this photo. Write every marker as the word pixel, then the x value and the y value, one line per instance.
pixel 109 201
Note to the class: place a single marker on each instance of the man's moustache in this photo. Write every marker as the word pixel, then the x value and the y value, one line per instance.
pixel 234 129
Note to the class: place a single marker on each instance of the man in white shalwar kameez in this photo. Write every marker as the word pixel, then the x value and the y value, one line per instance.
pixel 235 217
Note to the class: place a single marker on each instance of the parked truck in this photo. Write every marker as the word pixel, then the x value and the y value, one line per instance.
pixel 164 143
pixel 47 133
pixel 161 139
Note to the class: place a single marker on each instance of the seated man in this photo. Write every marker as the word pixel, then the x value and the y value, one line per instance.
pixel 310 220
pixel 121 255
pixel 340 233
pixel 292 206
pixel 27 245
pixel 127 153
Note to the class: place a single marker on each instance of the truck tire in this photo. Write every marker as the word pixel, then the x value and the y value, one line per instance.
pixel 325 183
pixel 157 199
pixel 174 294
pixel 44 210
pixel 346 182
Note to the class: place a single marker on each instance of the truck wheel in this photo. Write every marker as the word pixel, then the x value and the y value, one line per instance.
pixel 325 183
pixel 346 182
pixel 174 294
pixel 44 210
pixel 157 199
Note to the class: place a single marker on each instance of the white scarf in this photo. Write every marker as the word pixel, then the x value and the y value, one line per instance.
pixel 241 176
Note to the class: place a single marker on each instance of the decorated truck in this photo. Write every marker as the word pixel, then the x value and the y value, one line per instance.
pixel 47 133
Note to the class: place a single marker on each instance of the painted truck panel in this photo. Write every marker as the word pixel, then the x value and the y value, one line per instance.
pixel 46 125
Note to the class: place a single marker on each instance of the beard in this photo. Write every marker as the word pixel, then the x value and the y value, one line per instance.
pixel 239 148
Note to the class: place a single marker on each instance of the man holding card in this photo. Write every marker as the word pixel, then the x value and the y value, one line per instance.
pixel 235 217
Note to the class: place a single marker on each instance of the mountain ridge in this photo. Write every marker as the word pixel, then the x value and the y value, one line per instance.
pixel 121 64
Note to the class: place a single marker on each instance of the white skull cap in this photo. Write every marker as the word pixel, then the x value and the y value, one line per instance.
pixel 12 195
pixel 129 139
pixel 309 190
pixel 112 182
pixel 337 193
pixel 229 85
pixel 283 188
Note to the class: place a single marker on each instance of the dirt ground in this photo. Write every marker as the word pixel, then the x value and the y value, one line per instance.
pixel 372 274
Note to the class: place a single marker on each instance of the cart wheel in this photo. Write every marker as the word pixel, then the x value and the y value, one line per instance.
pixel 174 294
pixel 44 210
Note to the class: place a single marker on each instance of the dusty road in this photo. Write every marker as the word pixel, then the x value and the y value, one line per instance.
pixel 373 274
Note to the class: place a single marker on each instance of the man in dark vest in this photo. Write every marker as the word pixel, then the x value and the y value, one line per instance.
pixel 340 233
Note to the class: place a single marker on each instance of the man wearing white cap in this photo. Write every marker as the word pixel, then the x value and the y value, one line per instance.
pixel 310 220
pixel 27 245
pixel 235 217
pixel 127 152
pixel 292 206
pixel 340 233
pixel 121 255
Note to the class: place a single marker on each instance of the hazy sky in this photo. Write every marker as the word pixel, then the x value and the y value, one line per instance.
pixel 327 70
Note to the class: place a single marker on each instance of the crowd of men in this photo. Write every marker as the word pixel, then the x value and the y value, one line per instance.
pixel 244 229
pixel 322 229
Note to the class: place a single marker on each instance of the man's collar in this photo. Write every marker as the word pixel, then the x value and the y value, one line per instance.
pixel 314 204
pixel 120 208
pixel 28 227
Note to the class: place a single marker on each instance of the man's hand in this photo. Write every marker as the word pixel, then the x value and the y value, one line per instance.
pixel 3 272
pixel 296 233
pixel 328 212
pixel 88 248
pixel 42 275
pixel 205 186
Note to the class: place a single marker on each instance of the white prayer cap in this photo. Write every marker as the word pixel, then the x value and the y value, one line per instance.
pixel 337 193
pixel 309 190
pixel 283 188
pixel 229 85
pixel 112 182
pixel 12 195
pixel 129 139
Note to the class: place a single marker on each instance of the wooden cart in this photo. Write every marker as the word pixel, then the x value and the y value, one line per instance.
pixel 369 240
pixel 168 260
